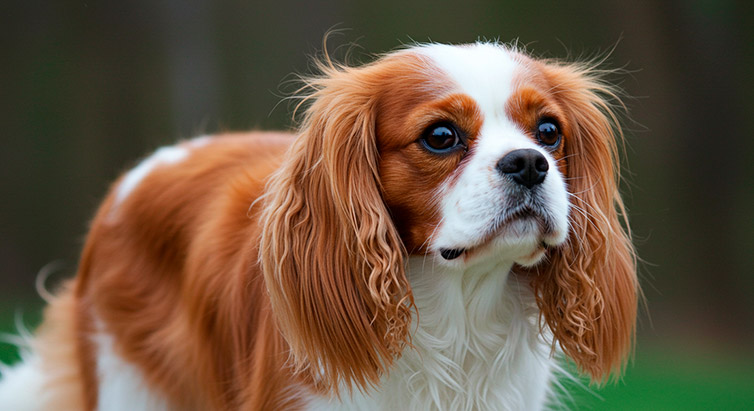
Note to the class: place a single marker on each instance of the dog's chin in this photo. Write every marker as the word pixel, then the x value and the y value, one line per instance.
pixel 534 257
pixel 520 241
pixel 524 241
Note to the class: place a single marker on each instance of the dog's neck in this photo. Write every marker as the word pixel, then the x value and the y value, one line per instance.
pixel 455 307
pixel 476 344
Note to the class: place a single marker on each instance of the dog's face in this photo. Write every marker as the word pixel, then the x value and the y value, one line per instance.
pixel 465 154
pixel 472 157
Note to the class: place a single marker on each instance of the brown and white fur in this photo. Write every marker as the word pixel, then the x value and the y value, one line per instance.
pixel 445 221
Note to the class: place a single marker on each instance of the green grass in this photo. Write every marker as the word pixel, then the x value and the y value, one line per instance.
pixel 657 379
pixel 675 379
pixel 30 316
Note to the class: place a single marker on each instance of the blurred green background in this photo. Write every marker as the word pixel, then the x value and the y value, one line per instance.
pixel 88 87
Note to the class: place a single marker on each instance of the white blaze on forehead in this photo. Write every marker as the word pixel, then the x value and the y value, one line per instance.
pixel 483 71
pixel 164 155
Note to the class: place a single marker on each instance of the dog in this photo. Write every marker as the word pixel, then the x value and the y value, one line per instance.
pixel 443 226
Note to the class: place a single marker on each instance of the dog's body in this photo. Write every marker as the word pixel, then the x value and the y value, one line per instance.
pixel 368 262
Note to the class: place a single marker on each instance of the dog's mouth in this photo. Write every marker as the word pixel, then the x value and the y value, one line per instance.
pixel 520 214
pixel 453 253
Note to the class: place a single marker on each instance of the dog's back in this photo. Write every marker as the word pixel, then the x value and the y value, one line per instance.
pixel 147 284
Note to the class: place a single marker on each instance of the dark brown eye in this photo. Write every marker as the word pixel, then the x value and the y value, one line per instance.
pixel 548 133
pixel 441 138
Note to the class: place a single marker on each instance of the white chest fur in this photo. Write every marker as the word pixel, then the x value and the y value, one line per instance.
pixel 477 346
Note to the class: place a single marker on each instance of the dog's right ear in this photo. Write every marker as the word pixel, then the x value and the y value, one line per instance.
pixel 333 261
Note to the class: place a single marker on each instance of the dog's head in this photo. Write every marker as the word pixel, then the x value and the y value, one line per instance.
pixel 464 154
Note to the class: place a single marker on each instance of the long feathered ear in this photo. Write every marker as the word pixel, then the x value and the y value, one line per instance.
pixel 588 290
pixel 333 261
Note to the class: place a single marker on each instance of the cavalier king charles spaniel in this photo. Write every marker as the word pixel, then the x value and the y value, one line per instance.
pixel 441 230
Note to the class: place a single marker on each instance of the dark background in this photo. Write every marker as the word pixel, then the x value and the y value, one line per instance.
pixel 89 87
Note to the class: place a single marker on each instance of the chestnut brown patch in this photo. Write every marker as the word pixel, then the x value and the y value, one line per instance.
pixel 410 174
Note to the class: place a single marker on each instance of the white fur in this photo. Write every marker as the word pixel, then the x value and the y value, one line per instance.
pixel 478 346
pixel 164 155
pixel 122 386
pixel 22 386
pixel 200 141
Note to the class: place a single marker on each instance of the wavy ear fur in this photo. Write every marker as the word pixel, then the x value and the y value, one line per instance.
pixel 333 261
pixel 588 290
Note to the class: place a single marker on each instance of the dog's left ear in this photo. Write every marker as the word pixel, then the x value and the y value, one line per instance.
pixel 587 290
pixel 333 261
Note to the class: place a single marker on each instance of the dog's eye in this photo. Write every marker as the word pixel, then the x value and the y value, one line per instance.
pixel 548 133
pixel 441 138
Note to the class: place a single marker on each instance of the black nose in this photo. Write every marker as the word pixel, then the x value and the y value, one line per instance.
pixel 527 167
